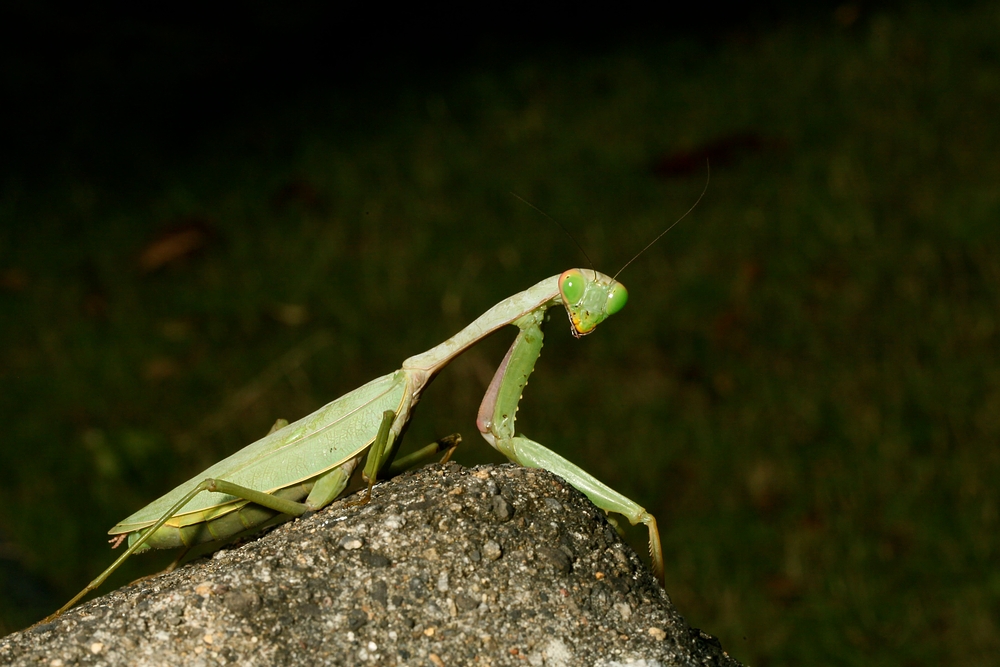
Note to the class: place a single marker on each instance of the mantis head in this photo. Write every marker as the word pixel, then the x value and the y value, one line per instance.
pixel 589 301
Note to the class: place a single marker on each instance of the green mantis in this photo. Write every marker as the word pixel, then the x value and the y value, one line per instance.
pixel 305 465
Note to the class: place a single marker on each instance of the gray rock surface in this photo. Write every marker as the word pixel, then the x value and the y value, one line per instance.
pixel 447 566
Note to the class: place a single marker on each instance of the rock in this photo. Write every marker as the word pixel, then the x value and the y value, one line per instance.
pixel 428 573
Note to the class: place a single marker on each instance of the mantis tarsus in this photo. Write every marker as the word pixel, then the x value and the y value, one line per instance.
pixel 304 466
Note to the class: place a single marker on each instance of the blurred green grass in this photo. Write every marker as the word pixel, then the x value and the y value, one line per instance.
pixel 804 388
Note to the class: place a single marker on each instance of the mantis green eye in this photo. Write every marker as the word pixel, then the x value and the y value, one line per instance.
pixel 617 299
pixel 572 286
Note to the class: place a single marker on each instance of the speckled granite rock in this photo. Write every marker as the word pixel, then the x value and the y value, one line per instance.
pixel 446 565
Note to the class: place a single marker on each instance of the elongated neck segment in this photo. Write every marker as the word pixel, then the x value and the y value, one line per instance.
pixel 544 295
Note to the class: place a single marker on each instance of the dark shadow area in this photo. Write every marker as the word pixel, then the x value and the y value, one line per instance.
pixel 90 90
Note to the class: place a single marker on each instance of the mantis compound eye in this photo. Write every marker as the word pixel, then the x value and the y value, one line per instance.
pixel 572 286
pixel 617 298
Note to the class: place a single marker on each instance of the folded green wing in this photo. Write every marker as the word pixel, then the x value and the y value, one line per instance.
pixel 302 450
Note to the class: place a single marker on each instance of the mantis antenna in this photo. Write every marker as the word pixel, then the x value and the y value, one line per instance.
pixel 708 177
pixel 559 225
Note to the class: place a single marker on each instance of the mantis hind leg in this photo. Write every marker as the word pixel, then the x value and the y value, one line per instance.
pixel 332 482
pixel 213 485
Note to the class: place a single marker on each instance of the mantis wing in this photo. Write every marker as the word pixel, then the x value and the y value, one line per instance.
pixel 303 450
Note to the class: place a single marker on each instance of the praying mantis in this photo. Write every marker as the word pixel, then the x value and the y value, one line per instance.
pixel 303 466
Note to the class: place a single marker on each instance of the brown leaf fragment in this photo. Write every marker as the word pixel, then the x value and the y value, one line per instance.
pixel 176 244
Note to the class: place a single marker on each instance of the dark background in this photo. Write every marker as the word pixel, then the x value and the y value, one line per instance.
pixel 210 222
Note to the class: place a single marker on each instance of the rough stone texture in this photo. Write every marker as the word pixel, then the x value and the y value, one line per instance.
pixel 447 566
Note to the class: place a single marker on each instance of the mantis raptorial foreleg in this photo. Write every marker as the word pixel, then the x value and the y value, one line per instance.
pixel 496 419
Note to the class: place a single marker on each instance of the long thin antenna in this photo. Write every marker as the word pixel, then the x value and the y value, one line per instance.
pixel 559 225
pixel 708 177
